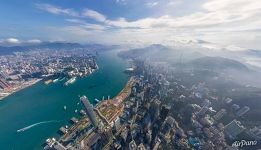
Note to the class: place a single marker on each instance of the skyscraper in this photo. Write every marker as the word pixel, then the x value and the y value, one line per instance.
pixel 117 124
pixel 203 110
pixel 219 114
pixel 242 111
pixel 4 84
pixel 234 128
pixel 164 112
pixel 132 145
pixel 89 111
pixel 155 109
pixel 205 107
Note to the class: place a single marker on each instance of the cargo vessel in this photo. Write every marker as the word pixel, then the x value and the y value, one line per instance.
pixel 70 81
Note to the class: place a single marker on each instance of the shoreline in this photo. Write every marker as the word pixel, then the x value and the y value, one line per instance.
pixel 102 109
pixel 24 85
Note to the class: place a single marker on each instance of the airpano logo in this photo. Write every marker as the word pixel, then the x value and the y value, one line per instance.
pixel 244 143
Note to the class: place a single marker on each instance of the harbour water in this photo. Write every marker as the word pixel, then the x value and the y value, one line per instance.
pixel 38 111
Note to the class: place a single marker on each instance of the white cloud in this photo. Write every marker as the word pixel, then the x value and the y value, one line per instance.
pixel 118 1
pixel 221 21
pixel 226 15
pixel 34 41
pixel 57 10
pixel 173 2
pixel 86 25
pixel 12 41
pixel 94 15
pixel 74 20
pixel 15 41
pixel 121 2
pixel 151 4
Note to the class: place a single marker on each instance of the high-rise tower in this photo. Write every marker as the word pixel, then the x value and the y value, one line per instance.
pixel 89 110
pixel 234 128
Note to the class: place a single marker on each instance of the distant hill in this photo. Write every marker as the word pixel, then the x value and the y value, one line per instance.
pixel 252 52
pixel 187 57
pixel 158 52
pixel 218 64
pixel 145 52
pixel 10 50
pixel 53 45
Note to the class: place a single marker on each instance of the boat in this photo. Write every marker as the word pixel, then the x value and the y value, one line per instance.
pixel 82 112
pixel 62 79
pixel 55 80
pixel 70 81
pixel 49 143
pixel 129 70
pixel 48 81
pixel 96 100
pixel 75 110
pixel 20 130
pixel 64 107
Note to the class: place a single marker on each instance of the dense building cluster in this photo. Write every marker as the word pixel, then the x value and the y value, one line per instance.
pixel 25 68
pixel 159 112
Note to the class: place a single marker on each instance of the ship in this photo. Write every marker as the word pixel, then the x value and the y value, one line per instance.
pixel 129 70
pixel 55 80
pixel 62 79
pixel 96 100
pixel 70 81
pixel 48 81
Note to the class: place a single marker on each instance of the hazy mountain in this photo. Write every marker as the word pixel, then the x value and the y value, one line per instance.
pixel 158 52
pixel 145 52
pixel 10 50
pixel 252 52
pixel 4 50
pixel 218 64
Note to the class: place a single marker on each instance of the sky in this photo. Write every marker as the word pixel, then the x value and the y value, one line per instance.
pixel 234 24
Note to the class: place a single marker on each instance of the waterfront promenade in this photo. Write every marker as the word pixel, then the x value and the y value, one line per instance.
pixel 107 111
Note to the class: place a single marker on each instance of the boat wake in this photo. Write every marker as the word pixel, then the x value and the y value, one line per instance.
pixel 35 124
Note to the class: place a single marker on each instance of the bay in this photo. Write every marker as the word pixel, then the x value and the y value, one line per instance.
pixel 40 107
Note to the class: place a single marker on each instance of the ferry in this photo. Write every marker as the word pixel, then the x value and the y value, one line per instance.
pixel 20 130
pixel 55 80
pixel 129 70
pixel 70 81
pixel 62 79
pixel 49 143
pixel 48 81
pixel 96 100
